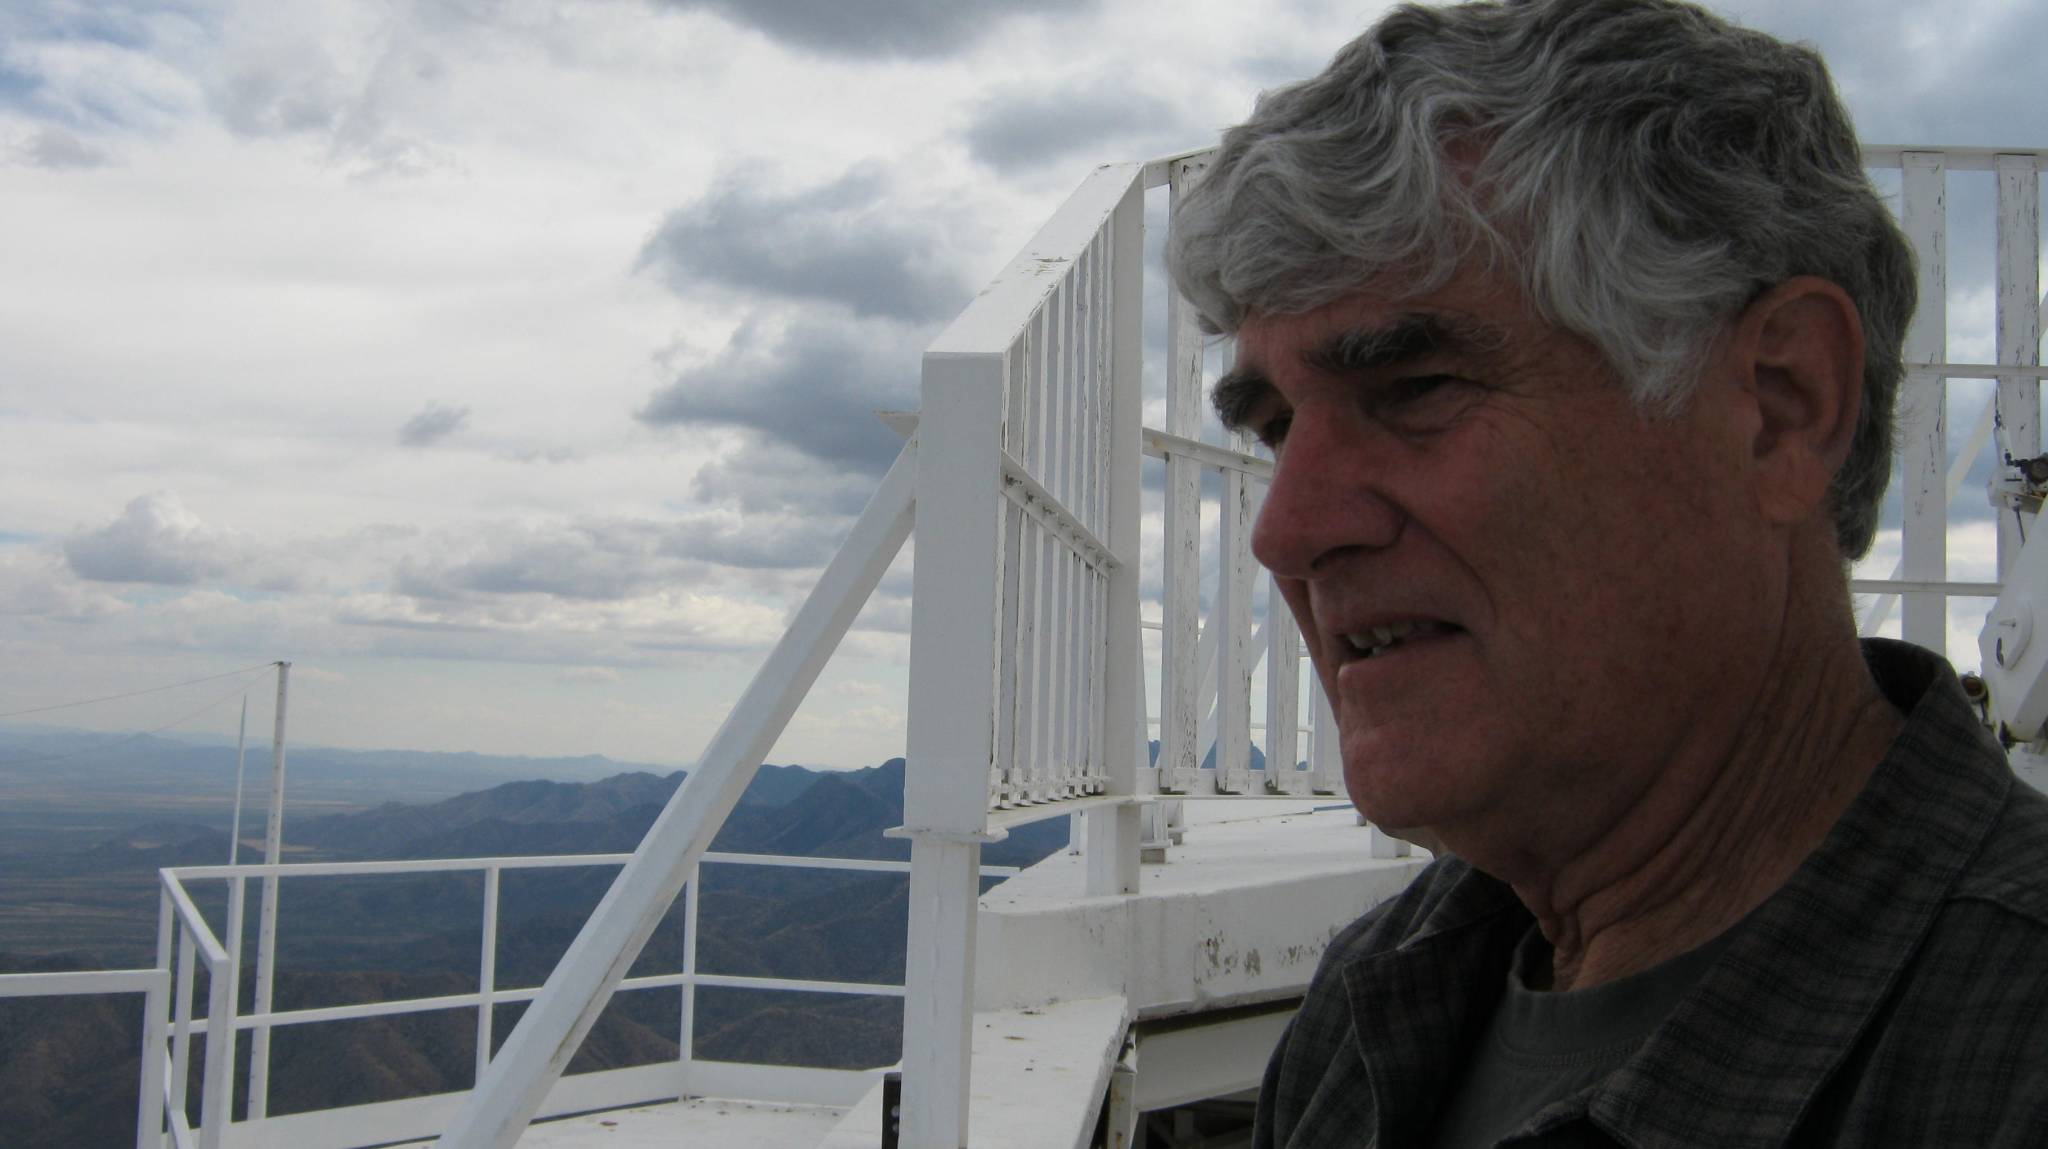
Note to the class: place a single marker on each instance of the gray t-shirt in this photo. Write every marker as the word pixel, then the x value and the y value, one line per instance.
pixel 1543 1047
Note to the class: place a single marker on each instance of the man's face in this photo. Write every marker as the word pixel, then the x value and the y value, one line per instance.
pixel 1576 594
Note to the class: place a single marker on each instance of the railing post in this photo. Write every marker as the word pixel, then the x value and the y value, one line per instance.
pixel 686 1034
pixel 149 1110
pixel 953 665
pixel 1326 759
pixel 1234 653
pixel 1115 832
pixel 1180 634
pixel 217 1097
pixel 181 1033
pixel 1922 411
pixel 2019 327
pixel 1283 692
pixel 487 973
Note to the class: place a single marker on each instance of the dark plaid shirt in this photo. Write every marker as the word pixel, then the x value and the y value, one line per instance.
pixel 1894 992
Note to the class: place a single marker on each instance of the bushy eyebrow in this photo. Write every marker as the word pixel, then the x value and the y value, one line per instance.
pixel 1354 352
pixel 1237 394
pixel 1365 349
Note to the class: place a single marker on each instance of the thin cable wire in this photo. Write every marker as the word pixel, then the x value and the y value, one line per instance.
pixel 139 693
pixel 239 688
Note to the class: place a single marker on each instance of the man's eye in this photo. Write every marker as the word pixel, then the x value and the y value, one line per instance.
pixel 1409 388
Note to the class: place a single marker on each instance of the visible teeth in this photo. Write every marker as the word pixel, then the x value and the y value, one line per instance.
pixel 1379 637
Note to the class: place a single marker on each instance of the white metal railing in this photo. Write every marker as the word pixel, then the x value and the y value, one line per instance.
pixel 185 931
pixel 2010 419
pixel 154 985
pixel 1024 625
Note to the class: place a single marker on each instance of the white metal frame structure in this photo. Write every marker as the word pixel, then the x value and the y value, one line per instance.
pixel 1027 682
pixel 171 1019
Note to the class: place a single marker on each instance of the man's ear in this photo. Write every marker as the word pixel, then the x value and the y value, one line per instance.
pixel 1799 346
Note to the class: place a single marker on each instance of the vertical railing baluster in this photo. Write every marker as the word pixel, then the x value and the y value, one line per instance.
pixel 1028 406
pixel 1922 409
pixel 2019 328
pixel 222 1035
pixel 217 1094
pixel 1326 760
pixel 181 1034
pixel 156 1006
pixel 1045 752
pixel 1180 618
pixel 487 973
pixel 1059 483
pixel 1283 684
pixel 1234 614
pixel 1114 830
pixel 686 1034
pixel 1007 777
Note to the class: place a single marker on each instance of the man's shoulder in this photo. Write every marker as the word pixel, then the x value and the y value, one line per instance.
pixel 2010 870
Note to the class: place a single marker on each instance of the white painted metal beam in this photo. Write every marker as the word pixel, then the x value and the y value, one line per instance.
pixel 1922 411
pixel 2019 329
pixel 1115 832
pixel 1180 635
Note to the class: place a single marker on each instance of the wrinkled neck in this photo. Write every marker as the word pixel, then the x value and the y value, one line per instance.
pixel 1726 823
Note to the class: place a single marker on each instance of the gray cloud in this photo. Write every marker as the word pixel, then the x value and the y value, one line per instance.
pixel 814 387
pixel 1033 127
pixel 608 560
pixel 765 477
pixel 871 28
pixel 593 560
pixel 59 150
pixel 155 540
pixel 293 92
pixel 433 424
pixel 845 243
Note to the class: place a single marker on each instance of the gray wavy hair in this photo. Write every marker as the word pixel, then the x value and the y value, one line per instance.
pixel 1644 168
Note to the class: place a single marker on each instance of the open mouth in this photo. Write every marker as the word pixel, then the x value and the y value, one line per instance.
pixel 1378 640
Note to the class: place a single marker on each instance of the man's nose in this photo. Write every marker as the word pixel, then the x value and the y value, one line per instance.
pixel 1327 499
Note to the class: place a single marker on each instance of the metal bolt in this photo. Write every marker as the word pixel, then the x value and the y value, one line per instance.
pixel 1973 687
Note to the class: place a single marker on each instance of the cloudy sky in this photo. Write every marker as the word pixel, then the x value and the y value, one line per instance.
pixel 507 365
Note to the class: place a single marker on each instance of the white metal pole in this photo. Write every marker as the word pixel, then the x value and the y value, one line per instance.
pixel 217 1094
pixel 2019 328
pixel 235 824
pixel 954 619
pixel 1116 832
pixel 1283 684
pixel 1923 416
pixel 1234 653
pixel 149 1113
pixel 1180 634
pixel 181 1029
pixel 686 1036
pixel 266 933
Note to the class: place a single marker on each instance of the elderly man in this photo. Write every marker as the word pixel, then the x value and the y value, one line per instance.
pixel 1574 327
